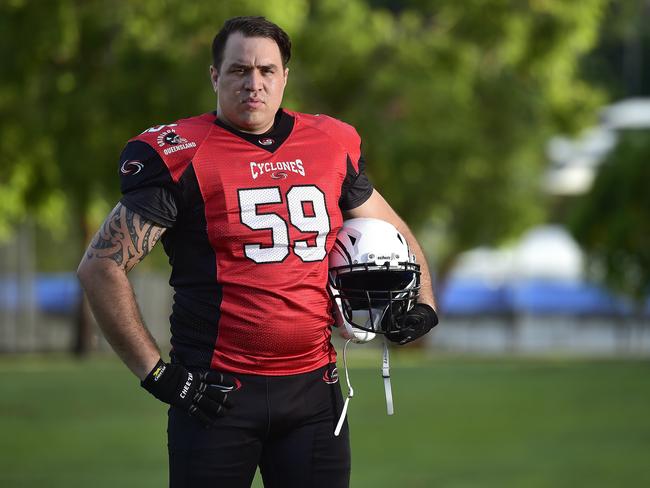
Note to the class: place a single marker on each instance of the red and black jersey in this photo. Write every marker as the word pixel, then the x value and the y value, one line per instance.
pixel 251 220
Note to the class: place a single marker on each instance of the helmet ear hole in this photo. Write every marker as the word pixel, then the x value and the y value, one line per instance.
pixel 373 276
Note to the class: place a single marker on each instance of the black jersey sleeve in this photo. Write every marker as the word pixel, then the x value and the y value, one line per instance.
pixel 147 185
pixel 356 186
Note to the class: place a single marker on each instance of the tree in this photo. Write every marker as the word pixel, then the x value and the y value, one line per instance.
pixel 454 100
pixel 79 79
pixel 618 62
pixel 612 221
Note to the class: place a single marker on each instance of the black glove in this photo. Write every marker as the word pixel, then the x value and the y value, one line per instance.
pixel 203 395
pixel 417 322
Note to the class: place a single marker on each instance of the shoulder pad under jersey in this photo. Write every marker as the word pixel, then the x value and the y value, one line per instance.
pixel 178 142
pixel 342 133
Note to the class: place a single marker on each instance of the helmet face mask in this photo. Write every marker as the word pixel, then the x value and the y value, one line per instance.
pixel 373 278
pixel 375 298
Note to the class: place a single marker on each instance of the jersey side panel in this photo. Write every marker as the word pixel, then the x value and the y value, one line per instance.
pixel 195 309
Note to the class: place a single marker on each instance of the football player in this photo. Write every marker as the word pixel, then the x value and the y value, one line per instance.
pixel 247 201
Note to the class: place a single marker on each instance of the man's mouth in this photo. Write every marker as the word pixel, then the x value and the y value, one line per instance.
pixel 253 102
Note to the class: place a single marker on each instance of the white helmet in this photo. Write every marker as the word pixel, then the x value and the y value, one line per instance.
pixel 373 278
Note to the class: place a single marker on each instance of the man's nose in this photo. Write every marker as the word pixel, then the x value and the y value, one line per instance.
pixel 253 80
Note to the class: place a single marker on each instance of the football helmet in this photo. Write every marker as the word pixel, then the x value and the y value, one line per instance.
pixel 373 279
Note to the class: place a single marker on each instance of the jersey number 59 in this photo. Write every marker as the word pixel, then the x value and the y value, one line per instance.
pixel 299 200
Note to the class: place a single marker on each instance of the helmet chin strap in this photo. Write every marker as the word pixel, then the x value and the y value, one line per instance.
pixel 339 425
pixel 385 373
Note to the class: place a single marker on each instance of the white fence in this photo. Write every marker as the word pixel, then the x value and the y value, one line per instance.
pixel 547 334
pixel 30 330
pixel 26 327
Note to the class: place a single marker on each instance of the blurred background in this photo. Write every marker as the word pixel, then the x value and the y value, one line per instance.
pixel 513 136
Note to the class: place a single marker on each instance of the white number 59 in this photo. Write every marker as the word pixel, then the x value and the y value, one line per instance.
pixel 316 221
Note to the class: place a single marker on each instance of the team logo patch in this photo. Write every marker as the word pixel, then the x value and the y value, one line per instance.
pixel 169 137
pixel 267 141
pixel 173 138
pixel 331 376
pixel 173 141
pixel 130 167
pixel 279 175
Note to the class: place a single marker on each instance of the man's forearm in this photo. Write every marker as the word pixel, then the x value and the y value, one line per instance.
pixel 113 303
pixel 426 287
pixel 123 240
pixel 377 207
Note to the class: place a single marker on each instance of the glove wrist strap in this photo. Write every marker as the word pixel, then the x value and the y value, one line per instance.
pixel 432 313
pixel 154 375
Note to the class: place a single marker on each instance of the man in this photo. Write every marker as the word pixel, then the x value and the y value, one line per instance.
pixel 247 202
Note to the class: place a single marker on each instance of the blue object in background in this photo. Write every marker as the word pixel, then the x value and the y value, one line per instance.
pixel 473 297
pixel 539 297
pixel 535 297
pixel 59 293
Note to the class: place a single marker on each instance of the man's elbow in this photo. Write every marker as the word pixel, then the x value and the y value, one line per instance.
pixel 84 272
pixel 88 274
pixel 91 271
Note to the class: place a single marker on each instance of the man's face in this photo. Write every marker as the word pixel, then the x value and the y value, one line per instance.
pixel 250 83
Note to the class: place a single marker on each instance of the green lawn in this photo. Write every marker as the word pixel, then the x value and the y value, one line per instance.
pixel 459 422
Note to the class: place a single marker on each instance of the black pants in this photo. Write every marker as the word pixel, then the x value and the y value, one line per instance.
pixel 284 424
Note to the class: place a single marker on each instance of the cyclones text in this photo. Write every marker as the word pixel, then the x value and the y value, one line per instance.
pixel 258 169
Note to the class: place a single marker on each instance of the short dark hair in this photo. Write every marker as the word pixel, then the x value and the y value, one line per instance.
pixel 250 27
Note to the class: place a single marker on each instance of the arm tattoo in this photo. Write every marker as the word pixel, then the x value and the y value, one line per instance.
pixel 125 237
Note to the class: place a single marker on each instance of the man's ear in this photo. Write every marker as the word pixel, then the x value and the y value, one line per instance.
pixel 286 76
pixel 214 76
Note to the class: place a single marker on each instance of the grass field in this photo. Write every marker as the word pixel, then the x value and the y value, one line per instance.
pixel 460 422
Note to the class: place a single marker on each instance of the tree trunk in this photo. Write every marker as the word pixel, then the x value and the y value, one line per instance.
pixel 83 323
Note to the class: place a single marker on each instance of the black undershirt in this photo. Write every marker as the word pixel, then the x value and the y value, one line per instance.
pixel 272 139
